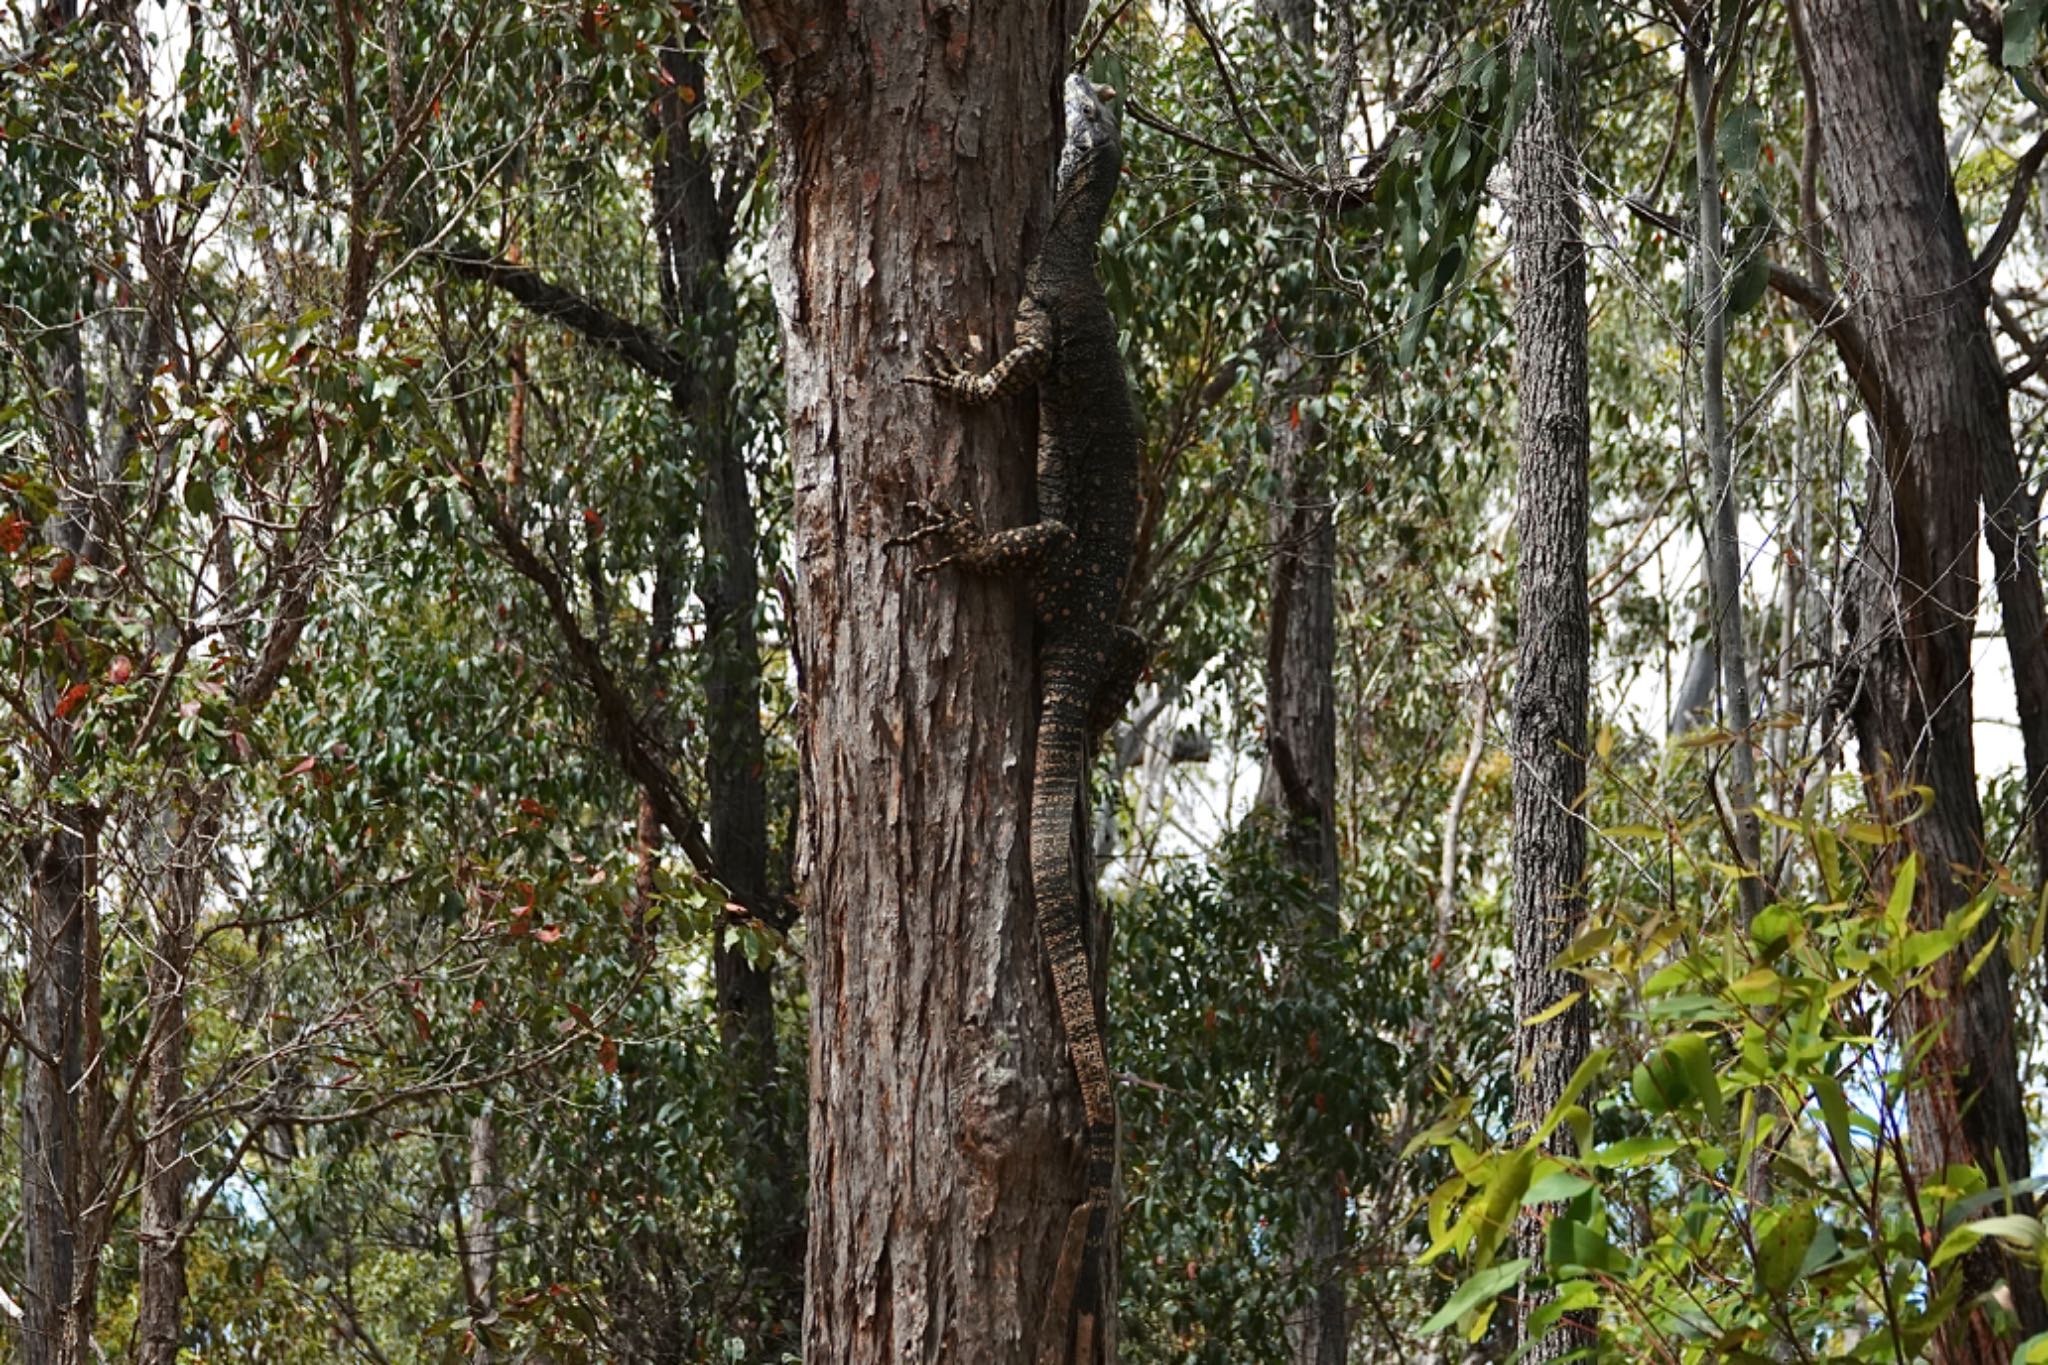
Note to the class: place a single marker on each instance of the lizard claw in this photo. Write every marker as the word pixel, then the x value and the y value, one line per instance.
pixel 945 373
pixel 937 519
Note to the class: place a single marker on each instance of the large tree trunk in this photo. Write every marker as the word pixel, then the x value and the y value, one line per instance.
pixel 916 146
pixel 1548 711
pixel 1877 72
pixel 1300 786
pixel 693 228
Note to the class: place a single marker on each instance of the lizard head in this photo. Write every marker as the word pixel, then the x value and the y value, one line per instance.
pixel 1093 153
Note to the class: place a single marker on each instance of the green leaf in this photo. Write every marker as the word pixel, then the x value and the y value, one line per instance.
pixel 1741 136
pixel 1900 904
pixel 1679 1073
pixel 1595 1063
pixel 1503 1200
pixel 199 499
pixel 1828 850
pixel 1782 1241
pixel 2032 1351
pixel 1544 1016
pixel 1557 1187
pixel 1749 283
pixel 1635 1151
pixel 1834 1110
pixel 2016 1228
pixel 1482 1288
pixel 1571 1243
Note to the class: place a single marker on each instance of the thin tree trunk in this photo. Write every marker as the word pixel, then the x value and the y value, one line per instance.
pixel 915 152
pixel 1548 714
pixel 1300 785
pixel 480 1231
pixel 1877 74
pixel 2010 512
pixel 1724 546
pixel 693 229
pixel 165 1171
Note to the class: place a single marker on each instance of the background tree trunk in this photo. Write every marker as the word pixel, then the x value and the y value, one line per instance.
pixel 915 152
pixel 1724 545
pixel 1877 73
pixel 52 1141
pixel 165 1173
pixel 693 230
pixel 1548 710
pixel 1300 786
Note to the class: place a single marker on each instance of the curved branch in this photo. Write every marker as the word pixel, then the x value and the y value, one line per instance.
pixel 2023 173
pixel 638 346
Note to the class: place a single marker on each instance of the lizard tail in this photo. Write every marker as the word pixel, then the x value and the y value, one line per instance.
pixel 1062 927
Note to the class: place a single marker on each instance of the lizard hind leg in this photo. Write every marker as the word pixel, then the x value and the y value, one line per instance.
pixel 963 544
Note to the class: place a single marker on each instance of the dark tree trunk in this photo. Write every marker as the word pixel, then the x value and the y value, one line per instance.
pixel 915 151
pixel 2009 516
pixel 1548 711
pixel 1877 73
pixel 54 992
pixel 693 228
pixel 1300 787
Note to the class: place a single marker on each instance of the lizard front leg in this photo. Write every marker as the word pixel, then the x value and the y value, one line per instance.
pixel 1015 372
pixel 963 544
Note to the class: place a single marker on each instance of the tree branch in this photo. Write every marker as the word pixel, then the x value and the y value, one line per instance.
pixel 638 346
pixel 2023 173
pixel 631 741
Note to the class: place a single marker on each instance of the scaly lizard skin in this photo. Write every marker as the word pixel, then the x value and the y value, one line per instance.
pixel 1078 555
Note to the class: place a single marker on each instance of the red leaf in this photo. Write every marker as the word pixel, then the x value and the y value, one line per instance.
pixel 608 1056
pixel 303 766
pixel 549 933
pixel 120 669
pixel 1294 416
pixel 73 698
pixel 61 571
pixel 13 533
pixel 419 1019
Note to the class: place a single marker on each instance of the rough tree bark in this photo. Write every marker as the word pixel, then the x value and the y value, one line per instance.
pixel 165 1172
pixel 916 146
pixel 1548 710
pixel 1877 74
pixel 52 1143
pixel 1300 786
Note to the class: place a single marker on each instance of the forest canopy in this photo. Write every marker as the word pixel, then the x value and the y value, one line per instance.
pixel 1505 816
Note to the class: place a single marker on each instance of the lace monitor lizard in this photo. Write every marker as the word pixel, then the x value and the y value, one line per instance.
pixel 1077 556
